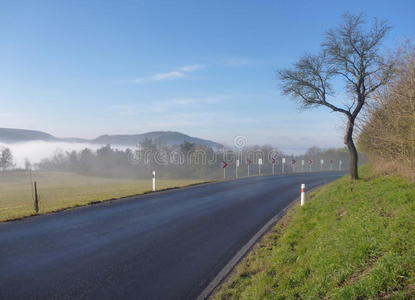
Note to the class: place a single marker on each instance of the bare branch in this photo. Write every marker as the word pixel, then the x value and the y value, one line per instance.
pixel 351 53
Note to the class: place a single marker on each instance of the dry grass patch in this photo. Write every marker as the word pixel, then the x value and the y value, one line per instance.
pixel 59 190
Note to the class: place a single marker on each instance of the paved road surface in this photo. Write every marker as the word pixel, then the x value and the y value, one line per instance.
pixel 166 245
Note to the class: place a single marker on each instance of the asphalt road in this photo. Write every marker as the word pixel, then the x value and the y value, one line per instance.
pixel 166 245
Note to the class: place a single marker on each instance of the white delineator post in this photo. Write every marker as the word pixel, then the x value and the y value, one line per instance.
pixel 282 164
pixel 154 181
pixel 302 194
pixel 259 166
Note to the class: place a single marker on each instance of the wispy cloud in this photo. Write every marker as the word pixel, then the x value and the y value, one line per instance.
pixel 191 68
pixel 164 76
pixel 170 75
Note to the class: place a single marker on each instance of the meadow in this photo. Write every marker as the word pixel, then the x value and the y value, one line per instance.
pixel 351 240
pixel 60 190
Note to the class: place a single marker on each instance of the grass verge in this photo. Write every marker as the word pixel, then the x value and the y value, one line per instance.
pixel 353 240
pixel 58 190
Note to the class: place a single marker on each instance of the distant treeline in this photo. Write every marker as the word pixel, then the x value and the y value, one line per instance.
pixel 189 161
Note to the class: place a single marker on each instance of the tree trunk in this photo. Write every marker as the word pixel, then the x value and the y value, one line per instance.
pixel 348 140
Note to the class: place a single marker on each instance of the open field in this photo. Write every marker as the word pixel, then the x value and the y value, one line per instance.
pixel 353 240
pixel 61 190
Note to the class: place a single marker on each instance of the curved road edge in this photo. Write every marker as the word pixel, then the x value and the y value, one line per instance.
pixel 226 271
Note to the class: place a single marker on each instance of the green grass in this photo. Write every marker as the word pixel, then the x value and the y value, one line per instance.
pixel 352 240
pixel 59 190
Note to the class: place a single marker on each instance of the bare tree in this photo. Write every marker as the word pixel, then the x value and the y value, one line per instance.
pixel 6 159
pixel 348 52
pixel 27 164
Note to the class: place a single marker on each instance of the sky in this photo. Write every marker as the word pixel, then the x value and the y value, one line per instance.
pixel 204 68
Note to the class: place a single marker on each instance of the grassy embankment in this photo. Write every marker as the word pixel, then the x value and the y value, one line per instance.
pixel 62 190
pixel 352 240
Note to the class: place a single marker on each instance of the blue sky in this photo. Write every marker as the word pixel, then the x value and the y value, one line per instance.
pixel 205 68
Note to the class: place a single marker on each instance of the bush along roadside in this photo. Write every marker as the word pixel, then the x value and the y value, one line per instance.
pixel 352 240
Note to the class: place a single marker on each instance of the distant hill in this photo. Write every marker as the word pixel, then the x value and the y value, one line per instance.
pixel 161 138
pixel 11 135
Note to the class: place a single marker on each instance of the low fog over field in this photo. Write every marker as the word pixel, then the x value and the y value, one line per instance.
pixel 171 154
pixel 35 151
pixel 185 160
pixel 35 146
